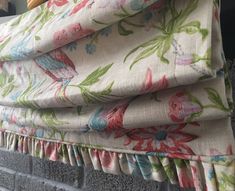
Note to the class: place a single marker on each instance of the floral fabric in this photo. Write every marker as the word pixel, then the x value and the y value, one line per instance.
pixel 127 86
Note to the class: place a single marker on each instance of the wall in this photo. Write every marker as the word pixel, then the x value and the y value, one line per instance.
pixel 20 172
pixel 21 6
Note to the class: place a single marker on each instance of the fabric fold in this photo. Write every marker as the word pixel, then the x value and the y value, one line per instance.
pixel 88 71
pixel 202 101
pixel 127 86
pixel 182 140
pixel 211 175
pixel 24 37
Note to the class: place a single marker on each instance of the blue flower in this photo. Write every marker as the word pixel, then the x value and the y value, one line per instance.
pixel 97 122
pixel 161 135
pixel 15 96
pixel 90 48
pixel 106 31
pixel 72 46
pixel 39 133
pixel 211 174
pixel 148 16
pixel 220 73
pixel 218 158
pixel 20 49
pixel 137 5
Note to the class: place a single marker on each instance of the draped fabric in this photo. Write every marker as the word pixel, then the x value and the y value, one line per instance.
pixel 128 86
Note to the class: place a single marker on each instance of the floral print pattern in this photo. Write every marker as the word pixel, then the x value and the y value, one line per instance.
pixel 158 139
pixel 128 86
pixel 182 106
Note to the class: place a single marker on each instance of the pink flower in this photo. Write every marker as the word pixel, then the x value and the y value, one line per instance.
pixel 106 158
pixel 149 86
pixel 75 31
pixel 181 107
pixel 184 60
pixel 157 5
pixel 115 115
pixel 79 6
pixel 162 83
pixel 57 3
pixel 185 179
pixel 60 38
pixel 13 119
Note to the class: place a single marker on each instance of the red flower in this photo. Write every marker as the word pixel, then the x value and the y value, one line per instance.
pixel 181 107
pixel 185 179
pixel 149 86
pixel 168 138
pixel 75 31
pixel 57 3
pixel 79 6
pixel 60 38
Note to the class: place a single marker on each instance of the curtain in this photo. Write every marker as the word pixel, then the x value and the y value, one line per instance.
pixel 128 86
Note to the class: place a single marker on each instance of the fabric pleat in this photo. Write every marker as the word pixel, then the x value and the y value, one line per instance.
pixel 131 87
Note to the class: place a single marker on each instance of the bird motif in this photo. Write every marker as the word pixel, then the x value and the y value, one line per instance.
pixel 58 66
pixel 109 118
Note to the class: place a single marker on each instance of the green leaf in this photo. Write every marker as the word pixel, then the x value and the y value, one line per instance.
pixel 190 28
pixel 144 54
pixel 180 163
pixel 156 167
pixel 192 116
pixel 79 110
pixel 169 171
pixel 11 78
pixel 17 21
pixel 163 46
pixel 204 77
pixel 2 45
pixel 183 15
pixel 215 98
pixel 49 118
pixel 207 57
pixel 2 80
pixel 204 33
pixel 159 45
pixel 95 76
pixel 228 180
pixel 37 38
pixel 122 31
pixel 124 13
pixel 94 97
pixel 99 22
pixel 144 45
pixel 7 90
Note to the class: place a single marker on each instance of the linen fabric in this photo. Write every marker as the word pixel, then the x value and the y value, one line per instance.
pixel 127 86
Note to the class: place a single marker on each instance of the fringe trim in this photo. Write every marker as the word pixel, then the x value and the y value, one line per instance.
pixel 199 172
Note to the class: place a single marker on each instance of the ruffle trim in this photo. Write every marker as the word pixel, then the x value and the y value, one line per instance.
pixel 199 172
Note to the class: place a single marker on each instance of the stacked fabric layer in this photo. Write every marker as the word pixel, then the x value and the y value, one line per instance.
pixel 128 86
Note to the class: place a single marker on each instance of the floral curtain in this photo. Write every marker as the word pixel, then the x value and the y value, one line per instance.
pixel 128 86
